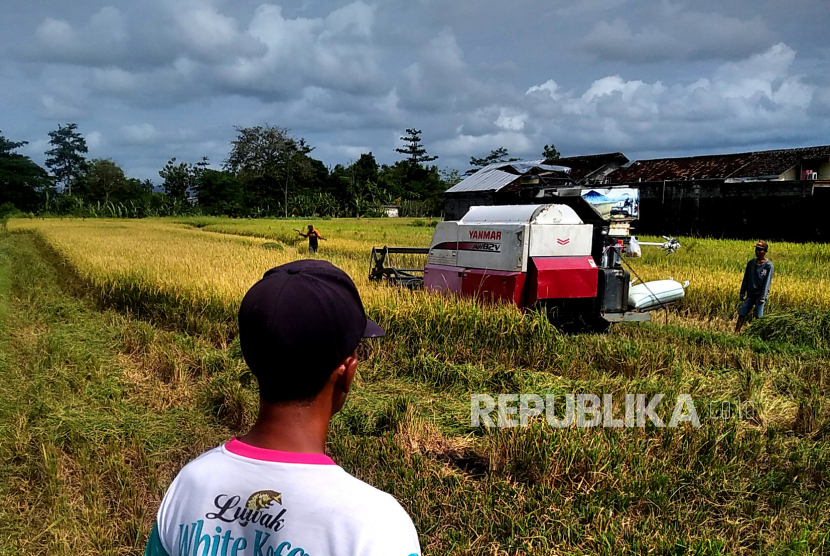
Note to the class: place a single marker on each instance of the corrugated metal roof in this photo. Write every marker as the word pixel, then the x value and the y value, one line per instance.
pixel 484 180
pixel 494 177
pixel 525 166
pixel 582 166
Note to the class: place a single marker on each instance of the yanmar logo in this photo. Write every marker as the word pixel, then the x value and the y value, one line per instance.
pixel 485 234
pixel 563 241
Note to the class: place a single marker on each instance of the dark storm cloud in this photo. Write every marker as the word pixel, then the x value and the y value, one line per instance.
pixel 142 35
pixel 148 81
pixel 200 51
pixel 673 34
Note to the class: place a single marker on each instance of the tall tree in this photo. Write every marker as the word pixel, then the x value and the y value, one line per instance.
pixel 179 179
pixel 136 190
pixel 218 191
pixel 496 155
pixel 450 177
pixel 358 184
pixel 66 157
pixel 266 159
pixel 551 153
pixel 414 183
pixel 22 182
pixel 104 180
pixel 413 149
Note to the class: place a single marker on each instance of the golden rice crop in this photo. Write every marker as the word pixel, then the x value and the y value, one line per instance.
pixel 184 261
pixel 207 264
pixel 182 274
pixel 714 269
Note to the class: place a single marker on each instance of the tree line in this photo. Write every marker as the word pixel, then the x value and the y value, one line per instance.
pixel 268 172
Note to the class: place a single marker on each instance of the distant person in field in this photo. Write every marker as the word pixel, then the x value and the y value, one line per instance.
pixel 312 235
pixel 274 490
pixel 755 285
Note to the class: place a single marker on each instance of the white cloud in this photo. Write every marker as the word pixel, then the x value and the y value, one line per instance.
pixel 53 106
pixel 352 152
pixel 550 87
pixel 211 36
pixel 511 120
pixel 756 74
pixel 94 140
pixel 108 23
pixel 102 40
pixel 35 149
pixel 333 52
pixel 745 97
pixel 467 145
pixel 197 50
pixel 207 29
pixel 389 103
pixel 139 134
pixel 352 20
pixel 55 34
pixel 115 80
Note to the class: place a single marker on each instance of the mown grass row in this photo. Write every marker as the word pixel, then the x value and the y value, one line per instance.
pixel 83 454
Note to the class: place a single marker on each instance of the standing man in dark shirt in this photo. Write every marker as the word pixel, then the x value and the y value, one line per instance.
pixel 312 235
pixel 755 286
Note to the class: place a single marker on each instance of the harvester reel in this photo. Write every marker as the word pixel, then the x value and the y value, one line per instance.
pixel 670 246
pixel 380 267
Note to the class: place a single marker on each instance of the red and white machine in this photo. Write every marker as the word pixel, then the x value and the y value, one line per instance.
pixel 532 256
pixel 519 253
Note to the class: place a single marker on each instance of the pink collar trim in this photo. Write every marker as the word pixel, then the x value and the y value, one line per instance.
pixel 236 446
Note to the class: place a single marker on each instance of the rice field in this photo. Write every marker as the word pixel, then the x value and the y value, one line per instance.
pixel 177 260
pixel 171 288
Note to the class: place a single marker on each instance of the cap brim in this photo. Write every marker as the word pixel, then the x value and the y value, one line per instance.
pixel 373 330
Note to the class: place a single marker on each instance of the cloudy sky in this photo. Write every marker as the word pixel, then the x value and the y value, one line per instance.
pixel 146 81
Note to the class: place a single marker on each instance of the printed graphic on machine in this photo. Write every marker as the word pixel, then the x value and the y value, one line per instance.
pixel 614 204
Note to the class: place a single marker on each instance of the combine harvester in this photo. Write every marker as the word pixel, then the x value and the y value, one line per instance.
pixel 563 258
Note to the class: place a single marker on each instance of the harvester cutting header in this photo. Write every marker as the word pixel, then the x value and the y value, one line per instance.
pixel 564 256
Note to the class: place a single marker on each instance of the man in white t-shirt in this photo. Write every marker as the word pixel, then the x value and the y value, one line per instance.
pixel 274 492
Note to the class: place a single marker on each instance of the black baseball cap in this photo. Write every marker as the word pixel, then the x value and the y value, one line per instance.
pixel 297 324
pixel 762 245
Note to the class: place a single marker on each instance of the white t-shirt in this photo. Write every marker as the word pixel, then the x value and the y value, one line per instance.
pixel 239 500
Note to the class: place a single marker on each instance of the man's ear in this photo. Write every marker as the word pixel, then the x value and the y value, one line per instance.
pixel 343 377
pixel 346 376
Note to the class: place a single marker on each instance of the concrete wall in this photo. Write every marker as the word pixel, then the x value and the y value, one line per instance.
pixel 790 175
pixel 780 210
pixel 456 205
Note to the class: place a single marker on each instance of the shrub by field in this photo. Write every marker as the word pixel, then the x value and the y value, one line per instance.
pixel 166 292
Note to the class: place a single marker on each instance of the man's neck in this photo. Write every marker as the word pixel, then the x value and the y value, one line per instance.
pixel 761 260
pixel 289 427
